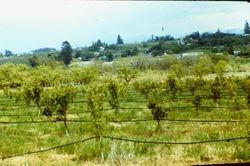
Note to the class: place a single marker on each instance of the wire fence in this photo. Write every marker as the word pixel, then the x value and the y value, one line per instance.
pixel 175 143
pixel 124 121
pixel 120 121
pixel 140 98
pixel 137 108
pixel 48 149
pixel 32 114
pixel 126 140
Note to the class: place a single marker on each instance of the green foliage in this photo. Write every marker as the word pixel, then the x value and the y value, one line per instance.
pixel 216 39
pixel 8 53
pixel 162 38
pixel 53 89
pixel 31 91
pixel 221 68
pixel 203 66
pixel 152 87
pixel 116 90
pixel 109 56
pixel 119 39
pixel 172 86
pixel 37 86
pixel 147 84
pixel 141 63
pixel 197 102
pixel 231 87
pixel 97 45
pixel 215 58
pixel 33 61
pixel 246 28
pixel 83 75
pixel 85 55
pixel 130 52
pixel 162 63
pixel 216 88
pixel 12 76
pixel 66 53
pixel 44 50
pixel 168 61
pixel 127 73
pixel 170 47
pixel 158 113
pixel 230 50
pixel 178 70
pixel 95 96
pixel 195 85
pixel 113 47
pixel 57 99
pixel 247 90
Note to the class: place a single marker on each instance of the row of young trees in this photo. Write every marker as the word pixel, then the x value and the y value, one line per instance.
pixel 160 89
pixel 52 90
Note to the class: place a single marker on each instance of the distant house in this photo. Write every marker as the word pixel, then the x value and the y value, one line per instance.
pixel 192 54
pixel 79 58
pixel 84 63
pixel 178 55
pixel 236 52
pixel 107 63
pixel 102 49
pixel 181 41
pixel 4 58
pixel 219 53
pixel 96 54
pixel 149 54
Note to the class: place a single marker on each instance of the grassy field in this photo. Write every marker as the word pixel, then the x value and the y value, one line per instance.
pixel 19 138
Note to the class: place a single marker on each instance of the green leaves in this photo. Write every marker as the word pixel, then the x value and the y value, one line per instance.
pixel 221 68
pixel 115 91
pixel 12 76
pixel 148 83
pixel 127 73
pixel 216 89
pixel 95 95
pixel 203 66
pixel 57 99
pixel 66 53
pixel 158 112
pixel 247 89
pixel 83 75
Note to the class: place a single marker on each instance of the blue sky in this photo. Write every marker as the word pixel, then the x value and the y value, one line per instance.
pixel 29 24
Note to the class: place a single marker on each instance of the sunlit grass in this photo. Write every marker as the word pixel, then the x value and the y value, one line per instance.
pixel 22 138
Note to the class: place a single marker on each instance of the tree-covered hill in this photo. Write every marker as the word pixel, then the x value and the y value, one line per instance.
pixel 218 42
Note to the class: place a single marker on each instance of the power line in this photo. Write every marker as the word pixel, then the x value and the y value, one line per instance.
pixel 169 107
pixel 127 140
pixel 175 143
pixel 126 121
pixel 29 122
pixel 17 108
pixel 48 149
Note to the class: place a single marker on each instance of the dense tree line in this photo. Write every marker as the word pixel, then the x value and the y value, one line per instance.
pixel 214 39
pixel 218 42
pixel 40 50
